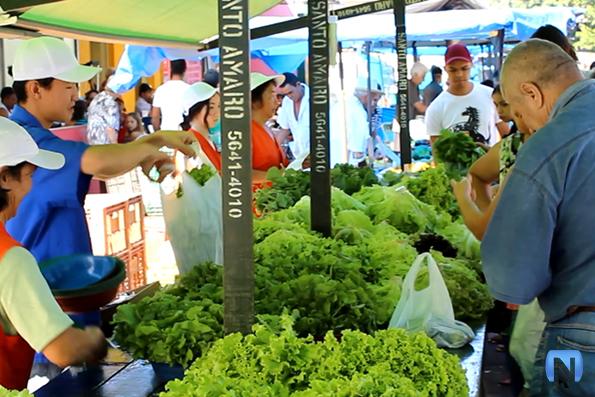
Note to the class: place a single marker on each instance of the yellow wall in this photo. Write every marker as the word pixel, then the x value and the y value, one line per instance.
pixel 84 52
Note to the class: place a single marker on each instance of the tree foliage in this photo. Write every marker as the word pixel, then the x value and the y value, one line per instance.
pixel 585 37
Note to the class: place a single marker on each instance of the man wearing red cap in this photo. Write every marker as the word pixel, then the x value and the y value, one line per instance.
pixel 465 106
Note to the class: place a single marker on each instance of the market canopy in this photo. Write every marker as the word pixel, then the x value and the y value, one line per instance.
pixel 173 23
pixel 430 28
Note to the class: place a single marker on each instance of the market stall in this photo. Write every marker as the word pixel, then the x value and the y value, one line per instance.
pixel 319 274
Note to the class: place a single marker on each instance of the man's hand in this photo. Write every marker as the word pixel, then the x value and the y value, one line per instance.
pixel 179 140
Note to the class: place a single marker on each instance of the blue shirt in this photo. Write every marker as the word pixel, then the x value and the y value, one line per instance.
pixel 541 239
pixel 51 220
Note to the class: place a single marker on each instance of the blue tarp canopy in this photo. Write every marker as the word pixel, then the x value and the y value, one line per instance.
pixel 286 51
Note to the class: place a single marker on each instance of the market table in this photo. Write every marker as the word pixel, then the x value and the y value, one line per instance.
pixel 137 378
pixel 133 379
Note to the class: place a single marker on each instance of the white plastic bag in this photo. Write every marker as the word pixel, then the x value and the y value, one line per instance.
pixel 526 335
pixel 193 222
pixel 430 309
pixel 297 163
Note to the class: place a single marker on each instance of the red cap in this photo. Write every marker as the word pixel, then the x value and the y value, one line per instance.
pixel 457 52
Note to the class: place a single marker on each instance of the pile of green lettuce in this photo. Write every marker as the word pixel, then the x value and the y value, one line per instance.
pixel 269 363
pixel 350 280
pixel 287 187
pixel 14 393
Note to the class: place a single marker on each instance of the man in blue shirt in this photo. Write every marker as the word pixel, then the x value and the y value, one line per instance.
pixel 51 220
pixel 541 239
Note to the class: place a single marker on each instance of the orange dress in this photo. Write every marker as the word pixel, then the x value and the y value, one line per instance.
pixel 208 149
pixel 266 152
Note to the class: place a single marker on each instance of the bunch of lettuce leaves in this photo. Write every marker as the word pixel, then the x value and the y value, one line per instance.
pixel 201 175
pixel 457 151
pixel 270 363
pixel 432 186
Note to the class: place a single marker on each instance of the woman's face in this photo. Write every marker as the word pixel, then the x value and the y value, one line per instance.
pixel 503 108
pixel 214 112
pixel 269 102
pixel 18 188
pixel 131 124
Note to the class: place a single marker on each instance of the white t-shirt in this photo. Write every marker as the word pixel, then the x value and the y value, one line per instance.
pixel 356 125
pixel 300 127
pixel 168 98
pixel 143 107
pixel 474 112
pixel 27 306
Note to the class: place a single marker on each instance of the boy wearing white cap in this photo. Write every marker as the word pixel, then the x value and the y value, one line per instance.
pixel 52 221
pixel 30 318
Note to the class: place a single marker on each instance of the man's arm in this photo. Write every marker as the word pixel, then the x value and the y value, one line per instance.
pixel 156 118
pixel 108 161
pixel 483 173
pixel 420 107
pixel 516 248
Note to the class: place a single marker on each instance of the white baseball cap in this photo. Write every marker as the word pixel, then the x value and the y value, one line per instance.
pixel 17 146
pixel 44 57
pixel 258 79
pixel 197 92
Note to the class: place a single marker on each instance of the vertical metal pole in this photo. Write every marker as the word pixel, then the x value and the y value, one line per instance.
pixel 238 279
pixel 318 66
pixel 500 50
pixel 369 82
pixel 341 66
pixel 415 54
pixel 403 111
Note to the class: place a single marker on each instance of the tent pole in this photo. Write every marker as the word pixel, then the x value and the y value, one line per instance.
pixel 341 104
pixel 483 64
pixel 415 54
pixel 318 72
pixel 341 66
pixel 368 47
pixel 236 184
pixel 403 110
pixel 500 51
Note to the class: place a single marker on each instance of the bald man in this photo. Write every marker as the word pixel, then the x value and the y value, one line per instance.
pixel 541 239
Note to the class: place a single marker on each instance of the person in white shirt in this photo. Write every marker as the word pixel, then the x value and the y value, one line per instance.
pixel 294 114
pixel 168 111
pixel 7 101
pixel 465 106
pixel 145 98
pixel 357 125
pixel 144 104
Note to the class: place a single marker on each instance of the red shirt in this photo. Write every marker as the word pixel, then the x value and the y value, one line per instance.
pixel 266 152
pixel 209 149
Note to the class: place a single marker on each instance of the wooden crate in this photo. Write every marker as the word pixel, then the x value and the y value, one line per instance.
pixel 116 239
pixel 116 222
pixel 136 268
pixel 135 224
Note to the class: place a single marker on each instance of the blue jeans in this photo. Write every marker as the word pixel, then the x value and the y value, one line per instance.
pixel 576 332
